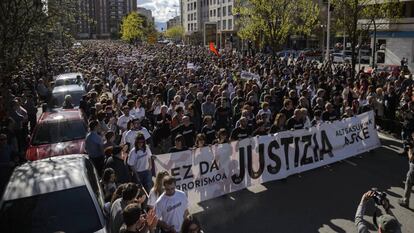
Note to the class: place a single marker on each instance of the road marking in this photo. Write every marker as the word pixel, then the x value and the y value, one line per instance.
pixel 257 188
pixel 351 163
pixel 384 136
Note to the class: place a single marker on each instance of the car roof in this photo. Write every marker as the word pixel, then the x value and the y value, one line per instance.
pixel 69 88
pixel 60 115
pixel 45 176
pixel 68 76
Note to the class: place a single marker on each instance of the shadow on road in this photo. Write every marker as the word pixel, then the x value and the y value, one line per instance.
pixel 308 202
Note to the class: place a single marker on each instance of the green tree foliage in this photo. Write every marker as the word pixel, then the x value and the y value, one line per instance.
pixel 359 16
pixel 175 33
pixel 132 27
pixel 272 21
pixel 28 27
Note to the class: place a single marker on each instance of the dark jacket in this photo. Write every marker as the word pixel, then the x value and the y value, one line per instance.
pixel 120 168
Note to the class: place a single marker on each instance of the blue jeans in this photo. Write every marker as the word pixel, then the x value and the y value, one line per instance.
pixel 146 179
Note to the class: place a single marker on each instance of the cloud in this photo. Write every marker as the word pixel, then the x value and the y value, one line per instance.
pixel 162 10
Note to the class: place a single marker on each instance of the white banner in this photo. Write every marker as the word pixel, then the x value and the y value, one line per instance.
pixel 213 171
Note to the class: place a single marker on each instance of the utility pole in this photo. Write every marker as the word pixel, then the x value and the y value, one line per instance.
pixel 328 31
pixel 344 39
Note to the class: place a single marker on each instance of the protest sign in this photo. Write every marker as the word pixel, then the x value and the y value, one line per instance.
pixel 208 172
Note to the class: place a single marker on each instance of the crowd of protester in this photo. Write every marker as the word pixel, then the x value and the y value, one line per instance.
pixel 152 99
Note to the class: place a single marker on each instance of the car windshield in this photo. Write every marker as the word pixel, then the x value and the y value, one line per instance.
pixel 68 81
pixel 69 211
pixel 59 131
pixel 59 98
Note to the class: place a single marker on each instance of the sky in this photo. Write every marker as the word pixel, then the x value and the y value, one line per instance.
pixel 162 10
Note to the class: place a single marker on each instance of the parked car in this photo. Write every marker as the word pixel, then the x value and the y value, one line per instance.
pixel 340 58
pixel 59 132
pixel 74 90
pixel 69 79
pixel 59 194
pixel 365 56
pixel 287 53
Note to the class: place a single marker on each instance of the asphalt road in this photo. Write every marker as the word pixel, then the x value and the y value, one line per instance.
pixel 321 200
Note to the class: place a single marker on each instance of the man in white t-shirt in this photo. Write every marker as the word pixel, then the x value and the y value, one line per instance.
pixel 171 207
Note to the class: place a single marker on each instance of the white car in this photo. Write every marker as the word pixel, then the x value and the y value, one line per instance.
pixel 74 90
pixel 57 194
pixel 69 79
pixel 340 58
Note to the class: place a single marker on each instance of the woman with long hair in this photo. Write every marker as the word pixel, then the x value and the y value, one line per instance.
pixel 108 183
pixel 191 225
pixel 200 140
pixel 139 159
pixel 157 190
pixel 278 124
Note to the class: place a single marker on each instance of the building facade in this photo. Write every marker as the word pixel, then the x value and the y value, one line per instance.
pixel 395 38
pixel 147 13
pixel 102 18
pixel 174 22
pixel 202 14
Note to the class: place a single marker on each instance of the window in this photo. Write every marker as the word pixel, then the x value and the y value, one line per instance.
pixel 195 26
pixel 188 7
pixel 188 27
pixel 230 24
pixel 211 13
pixel 195 5
pixel 218 12
pixel 51 212
pixel 214 1
pixel 230 10
pixel 224 24
pixel 218 25
pixel 188 17
pixel 60 131
pixel 224 11
pixel 214 12
pixel 195 15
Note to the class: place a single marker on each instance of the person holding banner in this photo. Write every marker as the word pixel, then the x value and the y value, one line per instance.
pixel 208 130
pixel 242 131
pixel 329 113
pixel 171 207
pixel 278 124
pixel 179 144
pixel 296 121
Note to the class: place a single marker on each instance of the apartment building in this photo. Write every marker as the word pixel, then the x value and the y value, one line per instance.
pixel 395 38
pixel 102 18
pixel 147 13
pixel 200 18
pixel 174 22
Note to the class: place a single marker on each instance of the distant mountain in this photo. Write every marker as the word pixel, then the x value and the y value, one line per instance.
pixel 161 25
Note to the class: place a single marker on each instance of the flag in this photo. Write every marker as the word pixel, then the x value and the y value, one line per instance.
pixel 213 49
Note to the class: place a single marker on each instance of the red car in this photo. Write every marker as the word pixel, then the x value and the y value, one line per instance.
pixel 60 132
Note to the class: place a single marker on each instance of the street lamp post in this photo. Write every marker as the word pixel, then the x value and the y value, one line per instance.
pixel 328 29
pixel 323 26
